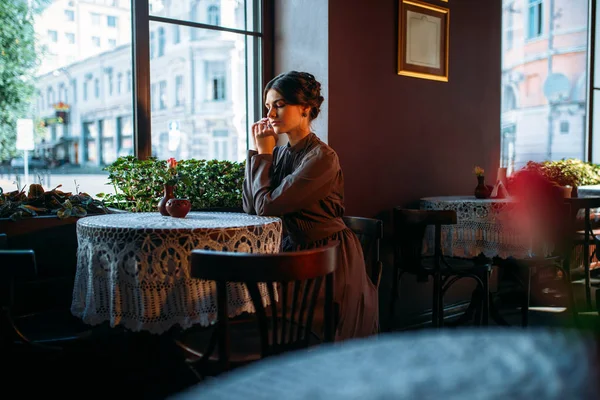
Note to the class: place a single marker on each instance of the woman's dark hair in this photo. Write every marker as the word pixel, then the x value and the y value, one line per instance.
pixel 298 88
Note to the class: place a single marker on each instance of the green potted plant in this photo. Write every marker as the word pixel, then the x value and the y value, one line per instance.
pixel 208 184
pixel 567 172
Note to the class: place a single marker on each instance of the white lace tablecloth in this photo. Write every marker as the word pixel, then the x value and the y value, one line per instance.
pixel 481 228
pixel 133 270
pixel 477 363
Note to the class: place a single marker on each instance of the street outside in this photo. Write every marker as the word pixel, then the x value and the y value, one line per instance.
pixel 89 183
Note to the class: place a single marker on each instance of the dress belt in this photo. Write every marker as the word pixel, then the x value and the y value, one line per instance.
pixel 311 231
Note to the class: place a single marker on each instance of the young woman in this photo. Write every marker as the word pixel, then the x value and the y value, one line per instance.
pixel 302 183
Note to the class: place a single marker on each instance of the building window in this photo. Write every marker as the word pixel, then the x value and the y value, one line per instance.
pixel 70 38
pixel 179 94
pixel 85 90
pixel 96 41
pixel 151 45
pixel 129 83
pixel 163 95
pixel 110 84
pixel 97 88
pixel 214 17
pixel 70 15
pixel 195 16
pixel 112 43
pixel 95 19
pixel 50 96
pixel 161 42
pixel 509 28
pixel 216 80
pixel 564 127
pixel 220 145
pixel 111 21
pixel 534 18
pixel 53 36
pixel 176 34
pixel 63 93
pixel 119 82
pixel 153 96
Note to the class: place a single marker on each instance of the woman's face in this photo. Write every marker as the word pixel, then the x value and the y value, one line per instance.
pixel 283 117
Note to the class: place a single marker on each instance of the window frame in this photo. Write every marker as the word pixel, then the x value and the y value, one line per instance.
pixel 262 57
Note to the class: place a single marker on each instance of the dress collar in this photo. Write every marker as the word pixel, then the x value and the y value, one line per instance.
pixel 302 144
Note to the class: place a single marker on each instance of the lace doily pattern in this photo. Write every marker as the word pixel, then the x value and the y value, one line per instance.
pixel 482 227
pixel 133 270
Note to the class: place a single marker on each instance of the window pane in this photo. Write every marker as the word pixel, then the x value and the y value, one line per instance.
pixel 543 97
pixel 596 126
pixel 96 111
pixel 200 96
pixel 225 13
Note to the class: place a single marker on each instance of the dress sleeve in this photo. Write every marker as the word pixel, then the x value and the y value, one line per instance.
pixel 309 183
pixel 247 198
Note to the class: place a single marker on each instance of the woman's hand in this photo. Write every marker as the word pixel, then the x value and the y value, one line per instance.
pixel 264 136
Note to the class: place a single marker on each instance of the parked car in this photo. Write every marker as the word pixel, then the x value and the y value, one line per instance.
pixel 33 162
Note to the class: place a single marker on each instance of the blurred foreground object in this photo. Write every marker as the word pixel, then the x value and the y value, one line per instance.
pixel 481 363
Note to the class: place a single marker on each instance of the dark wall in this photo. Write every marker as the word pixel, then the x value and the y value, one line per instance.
pixel 401 138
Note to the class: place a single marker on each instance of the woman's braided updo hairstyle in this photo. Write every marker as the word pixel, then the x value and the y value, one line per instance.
pixel 298 88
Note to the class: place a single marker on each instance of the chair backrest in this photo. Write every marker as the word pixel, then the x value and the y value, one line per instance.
pixel 293 278
pixel 409 233
pixel 582 203
pixel 15 265
pixel 370 233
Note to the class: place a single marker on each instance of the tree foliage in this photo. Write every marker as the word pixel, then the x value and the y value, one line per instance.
pixel 18 60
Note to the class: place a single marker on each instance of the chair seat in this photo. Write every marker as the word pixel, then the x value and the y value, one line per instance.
pixel 580 235
pixel 52 327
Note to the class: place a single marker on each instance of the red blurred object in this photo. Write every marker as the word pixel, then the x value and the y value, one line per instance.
pixel 539 204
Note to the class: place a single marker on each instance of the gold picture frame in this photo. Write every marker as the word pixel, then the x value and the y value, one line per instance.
pixel 423 40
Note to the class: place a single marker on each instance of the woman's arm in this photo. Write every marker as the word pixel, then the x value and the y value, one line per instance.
pixel 309 183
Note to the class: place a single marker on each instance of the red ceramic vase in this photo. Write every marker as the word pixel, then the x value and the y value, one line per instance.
pixel 162 204
pixel 178 208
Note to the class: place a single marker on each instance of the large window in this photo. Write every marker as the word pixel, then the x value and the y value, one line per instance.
pixel 208 86
pixel 199 63
pixel 543 114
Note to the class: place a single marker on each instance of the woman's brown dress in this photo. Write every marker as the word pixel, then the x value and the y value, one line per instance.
pixel 303 184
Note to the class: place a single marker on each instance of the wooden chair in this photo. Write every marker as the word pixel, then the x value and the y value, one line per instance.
pixel 370 233
pixel 285 325
pixel 558 261
pixel 409 233
pixel 584 236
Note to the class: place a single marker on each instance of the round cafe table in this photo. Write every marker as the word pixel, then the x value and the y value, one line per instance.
pixel 475 363
pixel 483 226
pixel 133 268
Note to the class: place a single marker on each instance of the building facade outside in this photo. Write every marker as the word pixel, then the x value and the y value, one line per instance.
pixel 198 85
pixel 544 80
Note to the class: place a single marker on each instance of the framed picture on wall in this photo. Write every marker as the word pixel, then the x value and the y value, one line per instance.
pixel 423 40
